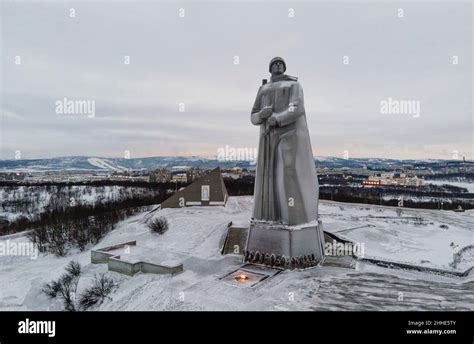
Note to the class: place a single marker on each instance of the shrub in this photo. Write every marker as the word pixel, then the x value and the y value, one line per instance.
pixel 98 292
pixel 54 238
pixel 58 237
pixel 66 286
pixel 158 225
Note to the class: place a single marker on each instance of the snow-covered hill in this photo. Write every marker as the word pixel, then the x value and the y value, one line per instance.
pixel 30 201
pixel 114 164
pixel 196 233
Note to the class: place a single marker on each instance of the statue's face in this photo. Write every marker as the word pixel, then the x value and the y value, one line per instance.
pixel 278 68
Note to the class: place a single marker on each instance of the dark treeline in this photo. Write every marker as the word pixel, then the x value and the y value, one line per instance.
pixel 427 198
pixel 105 182
pixel 458 176
pixel 60 234
pixel 239 187
pixel 61 212
pixel 446 196
pixel 76 212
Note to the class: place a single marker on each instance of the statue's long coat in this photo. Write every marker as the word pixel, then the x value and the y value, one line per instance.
pixel 286 185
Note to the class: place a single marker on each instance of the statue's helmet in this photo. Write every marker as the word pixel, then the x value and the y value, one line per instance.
pixel 276 59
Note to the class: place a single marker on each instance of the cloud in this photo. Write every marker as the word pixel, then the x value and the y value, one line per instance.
pixel 190 60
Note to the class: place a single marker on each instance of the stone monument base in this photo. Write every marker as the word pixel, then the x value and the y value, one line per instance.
pixel 284 246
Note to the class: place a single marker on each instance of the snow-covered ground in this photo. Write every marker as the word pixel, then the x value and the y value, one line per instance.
pixel 422 237
pixel 195 236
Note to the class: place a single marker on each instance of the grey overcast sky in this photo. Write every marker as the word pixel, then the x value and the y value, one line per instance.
pixel 191 59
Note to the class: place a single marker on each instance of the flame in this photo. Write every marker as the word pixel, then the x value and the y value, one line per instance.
pixel 242 277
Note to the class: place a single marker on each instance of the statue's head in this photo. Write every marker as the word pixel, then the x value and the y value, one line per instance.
pixel 277 66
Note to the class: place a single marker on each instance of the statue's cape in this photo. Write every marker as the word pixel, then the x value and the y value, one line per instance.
pixel 283 77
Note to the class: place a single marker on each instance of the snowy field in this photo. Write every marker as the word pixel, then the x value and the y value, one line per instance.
pixel 421 237
pixel 424 237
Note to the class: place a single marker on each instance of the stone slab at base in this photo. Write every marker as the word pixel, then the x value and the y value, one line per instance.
pixel 122 258
pixel 285 246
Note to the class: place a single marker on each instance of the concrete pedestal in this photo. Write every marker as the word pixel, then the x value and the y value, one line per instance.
pixel 285 246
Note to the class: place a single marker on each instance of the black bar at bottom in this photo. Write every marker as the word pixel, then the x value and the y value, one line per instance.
pixel 416 327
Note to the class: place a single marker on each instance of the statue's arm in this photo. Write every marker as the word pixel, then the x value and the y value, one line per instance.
pixel 295 108
pixel 255 116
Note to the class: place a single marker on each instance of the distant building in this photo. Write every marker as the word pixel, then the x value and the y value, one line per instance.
pixel 232 172
pixel 196 173
pixel 12 176
pixel 160 176
pixel 179 176
pixel 120 175
pixel 371 181
pixel 401 179
pixel 209 190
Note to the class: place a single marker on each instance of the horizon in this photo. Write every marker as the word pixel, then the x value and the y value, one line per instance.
pixel 316 157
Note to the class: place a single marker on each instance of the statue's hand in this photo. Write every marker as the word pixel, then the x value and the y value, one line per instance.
pixel 272 121
pixel 266 112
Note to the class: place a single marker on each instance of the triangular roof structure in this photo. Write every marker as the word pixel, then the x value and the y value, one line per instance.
pixel 209 190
